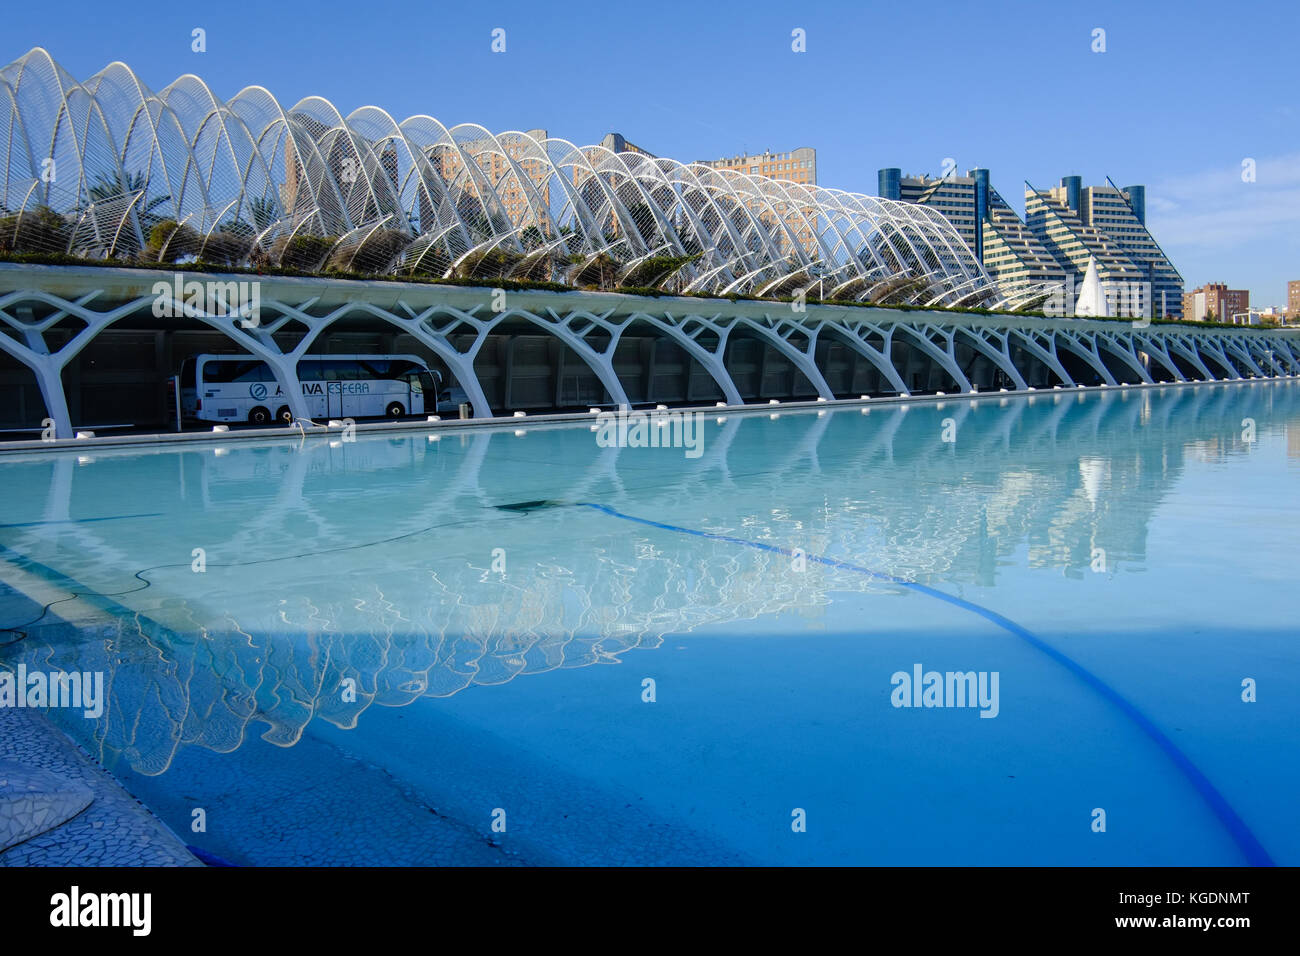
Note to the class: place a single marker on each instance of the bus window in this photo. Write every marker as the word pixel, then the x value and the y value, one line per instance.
pixel 343 370
pixel 217 372
pixel 311 371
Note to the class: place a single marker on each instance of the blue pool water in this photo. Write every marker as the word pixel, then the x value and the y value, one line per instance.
pixel 359 676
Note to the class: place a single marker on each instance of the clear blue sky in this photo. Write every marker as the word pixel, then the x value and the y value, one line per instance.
pixel 1184 92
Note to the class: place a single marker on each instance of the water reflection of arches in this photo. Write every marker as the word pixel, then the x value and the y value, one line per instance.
pixel 269 642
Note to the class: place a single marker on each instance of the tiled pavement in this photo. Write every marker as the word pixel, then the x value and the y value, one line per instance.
pixel 115 830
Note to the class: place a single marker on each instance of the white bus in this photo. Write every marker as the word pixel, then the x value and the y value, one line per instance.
pixel 242 388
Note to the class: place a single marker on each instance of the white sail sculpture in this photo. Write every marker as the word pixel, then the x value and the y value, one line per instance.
pixel 1092 297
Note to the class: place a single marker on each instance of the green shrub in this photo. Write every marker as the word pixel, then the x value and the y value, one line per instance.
pixel 169 241
pixel 302 252
pixel 40 230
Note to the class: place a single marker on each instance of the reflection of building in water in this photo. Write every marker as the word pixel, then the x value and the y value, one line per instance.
pixel 1211 449
pixel 1055 475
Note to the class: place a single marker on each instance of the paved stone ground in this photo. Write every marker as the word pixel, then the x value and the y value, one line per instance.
pixel 115 830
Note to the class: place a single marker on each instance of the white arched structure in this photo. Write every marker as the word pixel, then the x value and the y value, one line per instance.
pixel 110 169
pixel 49 314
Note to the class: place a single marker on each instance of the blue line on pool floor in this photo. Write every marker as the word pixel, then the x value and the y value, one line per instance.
pixel 43 524
pixel 1232 822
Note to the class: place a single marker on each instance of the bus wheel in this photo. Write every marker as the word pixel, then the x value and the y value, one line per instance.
pixel 395 410
pixel 284 414
pixel 259 416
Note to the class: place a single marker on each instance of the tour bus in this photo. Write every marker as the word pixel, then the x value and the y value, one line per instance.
pixel 242 388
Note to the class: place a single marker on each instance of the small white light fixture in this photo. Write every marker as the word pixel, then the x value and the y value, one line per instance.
pixel 221 429
pixel 85 434
pixel 521 414
pixel 434 418
pixel 593 411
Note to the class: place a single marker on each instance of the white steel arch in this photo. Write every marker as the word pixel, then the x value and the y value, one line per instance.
pixel 163 176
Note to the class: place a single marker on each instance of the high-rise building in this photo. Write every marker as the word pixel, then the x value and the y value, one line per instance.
pixel 796 166
pixel 1011 254
pixel 1077 223
pixel 1293 300
pixel 1064 228
pixel 1215 302
pixel 1054 218
pixel 521 192
pixel 1121 214
pixel 1014 257
pixel 954 196
pixel 615 143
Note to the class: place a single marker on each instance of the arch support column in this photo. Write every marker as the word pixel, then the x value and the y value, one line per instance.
pixel 1088 354
pixel 777 332
pixel 1044 353
pixel 1001 356
pixel 1177 346
pixel 711 359
pixel 852 337
pixel 946 357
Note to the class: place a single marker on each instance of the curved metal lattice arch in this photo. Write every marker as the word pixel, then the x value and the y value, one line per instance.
pixel 248 181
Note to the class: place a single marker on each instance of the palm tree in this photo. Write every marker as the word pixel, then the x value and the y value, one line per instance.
pixel 263 212
pixel 112 185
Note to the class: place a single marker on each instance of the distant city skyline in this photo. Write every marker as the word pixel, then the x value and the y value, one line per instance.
pixel 1146 110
